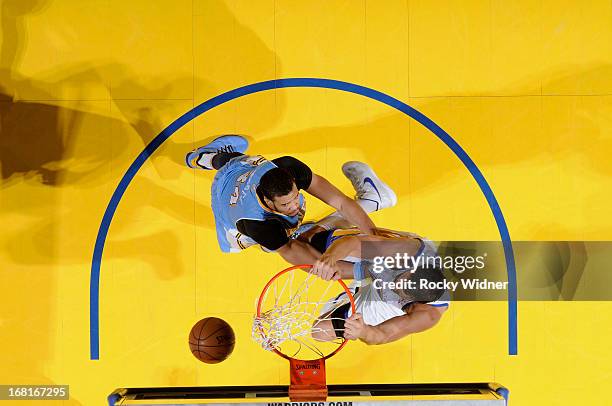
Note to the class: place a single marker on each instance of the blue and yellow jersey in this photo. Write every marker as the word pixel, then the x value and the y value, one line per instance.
pixel 234 198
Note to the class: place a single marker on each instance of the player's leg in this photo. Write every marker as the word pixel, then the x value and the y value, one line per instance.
pixel 371 193
pixel 217 153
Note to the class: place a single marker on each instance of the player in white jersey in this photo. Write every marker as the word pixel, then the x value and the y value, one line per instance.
pixel 388 306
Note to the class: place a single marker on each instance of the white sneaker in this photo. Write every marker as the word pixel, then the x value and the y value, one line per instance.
pixel 372 193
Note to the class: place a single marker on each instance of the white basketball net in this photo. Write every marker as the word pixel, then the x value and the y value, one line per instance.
pixel 294 308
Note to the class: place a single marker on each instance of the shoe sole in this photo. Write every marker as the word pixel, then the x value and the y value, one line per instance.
pixel 189 155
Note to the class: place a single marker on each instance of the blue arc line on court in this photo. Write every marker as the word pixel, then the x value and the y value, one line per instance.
pixel 94 286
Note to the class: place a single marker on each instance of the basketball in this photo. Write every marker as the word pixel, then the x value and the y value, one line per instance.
pixel 211 340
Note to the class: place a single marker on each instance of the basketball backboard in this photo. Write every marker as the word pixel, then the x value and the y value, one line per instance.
pixel 434 394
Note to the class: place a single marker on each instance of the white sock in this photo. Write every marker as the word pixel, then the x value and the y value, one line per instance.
pixel 205 160
pixel 368 206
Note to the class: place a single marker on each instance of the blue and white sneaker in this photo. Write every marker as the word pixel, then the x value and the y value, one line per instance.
pixel 372 193
pixel 225 143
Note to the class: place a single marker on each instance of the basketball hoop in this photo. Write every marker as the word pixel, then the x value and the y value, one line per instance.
pixel 287 318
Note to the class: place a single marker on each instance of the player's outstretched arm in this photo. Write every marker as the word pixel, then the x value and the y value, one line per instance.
pixel 329 266
pixel 298 252
pixel 421 318
pixel 350 210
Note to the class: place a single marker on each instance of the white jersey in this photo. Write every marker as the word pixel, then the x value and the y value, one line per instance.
pixel 375 310
pixel 377 305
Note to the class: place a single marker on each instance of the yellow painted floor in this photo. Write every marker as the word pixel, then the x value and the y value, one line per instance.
pixel 524 86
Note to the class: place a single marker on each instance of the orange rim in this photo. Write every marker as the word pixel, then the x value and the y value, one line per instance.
pixel 284 271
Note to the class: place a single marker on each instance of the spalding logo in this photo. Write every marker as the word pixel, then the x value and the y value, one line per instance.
pixel 308 366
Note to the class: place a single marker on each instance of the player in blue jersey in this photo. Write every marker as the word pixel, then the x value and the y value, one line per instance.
pixel 258 201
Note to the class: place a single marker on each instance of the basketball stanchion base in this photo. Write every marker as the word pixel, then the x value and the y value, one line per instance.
pixel 307 380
